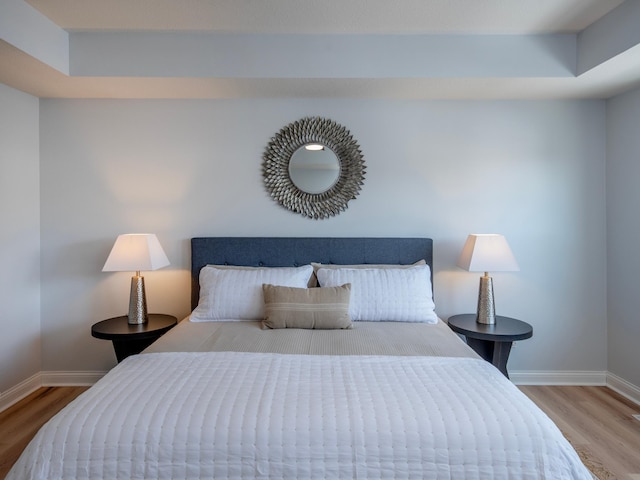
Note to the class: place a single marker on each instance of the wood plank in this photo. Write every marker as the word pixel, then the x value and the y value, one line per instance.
pixel 558 415
pixel 598 422
pixel 20 422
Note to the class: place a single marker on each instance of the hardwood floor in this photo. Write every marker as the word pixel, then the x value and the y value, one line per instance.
pixel 596 420
pixel 600 425
pixel 20 422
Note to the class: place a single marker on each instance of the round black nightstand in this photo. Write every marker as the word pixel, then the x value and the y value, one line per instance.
pixel 132 339
pixel 491 342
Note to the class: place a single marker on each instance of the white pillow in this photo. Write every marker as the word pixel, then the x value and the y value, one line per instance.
pixel 236 293
pixel 317 266
pixel 385 294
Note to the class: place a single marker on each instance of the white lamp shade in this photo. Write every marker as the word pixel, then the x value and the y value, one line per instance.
pixel 135 252
pixel 488 252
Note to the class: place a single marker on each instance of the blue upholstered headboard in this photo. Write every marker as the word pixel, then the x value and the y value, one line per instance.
pixel 288 251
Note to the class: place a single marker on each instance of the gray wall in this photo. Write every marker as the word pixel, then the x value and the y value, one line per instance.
pixel 623 235
pixel 20 356
pixel 533 171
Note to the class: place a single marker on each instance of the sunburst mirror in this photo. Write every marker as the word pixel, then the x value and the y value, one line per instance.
pixel 313 167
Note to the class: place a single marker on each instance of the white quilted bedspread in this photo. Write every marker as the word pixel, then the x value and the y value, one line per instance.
pixel 234 415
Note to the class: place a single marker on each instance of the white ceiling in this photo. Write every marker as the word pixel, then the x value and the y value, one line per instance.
pixel 328 16
pixel 29 73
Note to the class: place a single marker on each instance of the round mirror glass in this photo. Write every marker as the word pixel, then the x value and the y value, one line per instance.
pixel 314 168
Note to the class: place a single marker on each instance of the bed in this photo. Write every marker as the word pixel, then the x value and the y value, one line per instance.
pixel 341 370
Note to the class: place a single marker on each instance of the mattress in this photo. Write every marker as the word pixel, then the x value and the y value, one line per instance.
pixel 235 415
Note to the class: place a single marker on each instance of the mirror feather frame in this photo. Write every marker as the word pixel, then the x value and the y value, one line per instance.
pixel 324 131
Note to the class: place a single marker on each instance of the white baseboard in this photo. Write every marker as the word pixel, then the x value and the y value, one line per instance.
pixel 62 379
pixel 608 379
pixel 88 378
pixel 18 392
pixel 558 378
pixel 47 379
pixel 71 379
pixel 624 388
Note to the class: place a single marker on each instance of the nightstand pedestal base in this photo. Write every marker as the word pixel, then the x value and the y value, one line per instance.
pixel 495 352
pixel 124 348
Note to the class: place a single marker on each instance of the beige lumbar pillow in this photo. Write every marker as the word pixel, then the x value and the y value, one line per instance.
pixel 319 308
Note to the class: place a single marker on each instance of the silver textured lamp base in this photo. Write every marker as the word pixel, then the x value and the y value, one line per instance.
pixel 486 306
pixel 137 301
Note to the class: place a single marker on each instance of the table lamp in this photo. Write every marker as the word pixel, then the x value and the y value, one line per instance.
pixel 136 252
pixel 486 253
